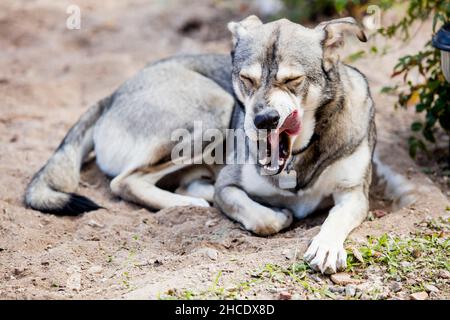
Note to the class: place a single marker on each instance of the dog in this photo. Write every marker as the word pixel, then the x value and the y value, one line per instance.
pixel 281 77
pixel 291 82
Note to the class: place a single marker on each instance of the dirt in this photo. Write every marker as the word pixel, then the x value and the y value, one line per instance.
pixel 49 76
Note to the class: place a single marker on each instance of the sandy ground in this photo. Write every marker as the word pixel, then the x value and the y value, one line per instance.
pixel 50 75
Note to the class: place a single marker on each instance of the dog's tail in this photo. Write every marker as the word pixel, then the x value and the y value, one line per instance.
pixel 397 188
pixel 52 188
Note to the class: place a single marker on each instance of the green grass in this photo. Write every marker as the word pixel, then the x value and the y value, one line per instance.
pixel 419 256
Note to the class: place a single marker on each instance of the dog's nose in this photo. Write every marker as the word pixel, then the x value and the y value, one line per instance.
pixel 267 119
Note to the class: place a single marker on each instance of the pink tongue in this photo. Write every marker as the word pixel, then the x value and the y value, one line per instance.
pixel 292 124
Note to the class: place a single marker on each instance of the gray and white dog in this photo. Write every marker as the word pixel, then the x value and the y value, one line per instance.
pixel 281 77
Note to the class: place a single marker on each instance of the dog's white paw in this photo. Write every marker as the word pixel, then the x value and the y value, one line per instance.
pixel 198 202
pixel 326 255
pixel 269 222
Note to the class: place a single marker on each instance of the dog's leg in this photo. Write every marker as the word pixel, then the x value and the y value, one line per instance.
pixel 139 187
pixel 198 188
pixel 326 252
pixel 259 219
pixel 198 183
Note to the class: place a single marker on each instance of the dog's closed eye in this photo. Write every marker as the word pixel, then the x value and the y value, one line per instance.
pixel 248 81
pixel 293 81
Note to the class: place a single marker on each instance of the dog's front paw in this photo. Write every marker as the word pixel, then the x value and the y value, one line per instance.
pixel 326 255
pixel 197 202
pixel 270 222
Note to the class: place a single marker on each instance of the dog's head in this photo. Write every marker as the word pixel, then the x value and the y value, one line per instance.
pixel 281 71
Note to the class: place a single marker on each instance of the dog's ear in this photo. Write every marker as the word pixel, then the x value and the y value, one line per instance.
pixel 335 31
pixel 240 29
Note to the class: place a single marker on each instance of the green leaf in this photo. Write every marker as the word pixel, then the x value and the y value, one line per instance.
pixel 416 126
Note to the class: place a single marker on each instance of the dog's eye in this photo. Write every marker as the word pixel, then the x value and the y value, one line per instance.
pixel 248 82
pixel 293 81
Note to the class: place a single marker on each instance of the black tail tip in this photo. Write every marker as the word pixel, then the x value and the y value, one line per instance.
pixel 75 206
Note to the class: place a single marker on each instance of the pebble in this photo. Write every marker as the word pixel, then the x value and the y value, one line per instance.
pixel 276 290
pixel 416 253
pixel 431 288
pixel 336 289
pixel 419 295
pixel 316 278
pixel 405 264
pixel 212 253
pixel 95 269
pixel 434 295
pixel 350 290
pixel 357 255
pixel 18 271
pixel 297 296
pixel 444 274
pixel 95 224
pixel 288 254
pixel 396 287
pixel 379 213
pixel 74 282
pixel 211 223
pixel 285 295
pixel 342 278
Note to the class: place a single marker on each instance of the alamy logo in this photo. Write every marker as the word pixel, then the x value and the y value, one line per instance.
pixel 271 150
pixel 73 22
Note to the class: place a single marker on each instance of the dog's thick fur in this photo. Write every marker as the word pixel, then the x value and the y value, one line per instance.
pixel 279 65
pixel 333 152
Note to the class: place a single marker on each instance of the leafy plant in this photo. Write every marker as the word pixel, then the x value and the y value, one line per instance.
pixel 308 10
pixel 431 94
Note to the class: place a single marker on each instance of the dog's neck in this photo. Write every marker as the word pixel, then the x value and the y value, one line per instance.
pixel 320 144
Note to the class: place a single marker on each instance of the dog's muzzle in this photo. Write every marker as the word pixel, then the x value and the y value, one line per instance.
pixel 267 119
pixel 278 144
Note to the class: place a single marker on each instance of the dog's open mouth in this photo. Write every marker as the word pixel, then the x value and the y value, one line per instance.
pixel 275 148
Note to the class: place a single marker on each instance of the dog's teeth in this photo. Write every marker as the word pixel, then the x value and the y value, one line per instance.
pixel 264 161
pixel 269 170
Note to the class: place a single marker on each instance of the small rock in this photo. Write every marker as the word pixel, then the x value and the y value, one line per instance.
pixel 95 269
pixel 288 254
pixel 297 296
pixel 285 295
pixel 338 290
pixel 431 288
pixel 343 279
pixel 396 287
pixel 434 295
pixel 95 224
pixel 416 253
pixel 419 295
pixel 18 271
pixel 276 290
pixel 444 274
pixel 231 288
pixel 74 282
pixel 379 213
pixel 316 278
pixel 365 296
pixel 211 223
pixel 350 290
pixel 212 253
pixel 357 255
pixel 405 264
